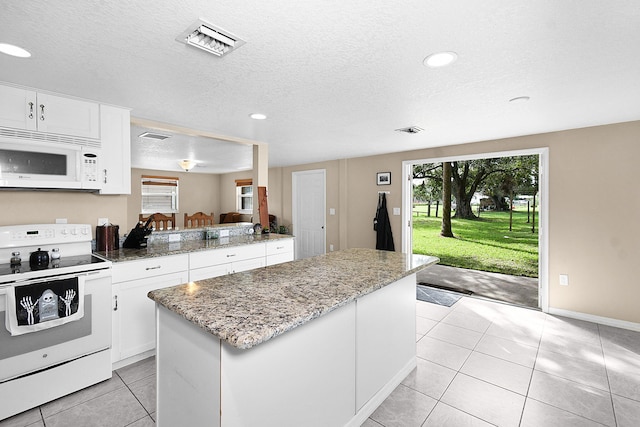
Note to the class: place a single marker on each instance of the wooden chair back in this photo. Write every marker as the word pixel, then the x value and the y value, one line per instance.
pixel 160 221
pixel 198 219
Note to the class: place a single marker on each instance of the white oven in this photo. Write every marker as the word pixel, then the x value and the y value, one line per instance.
pixel 32 164
pixel 55 336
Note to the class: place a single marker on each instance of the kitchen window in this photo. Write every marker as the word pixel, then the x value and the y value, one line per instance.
pixel 159 194
pixel 244 196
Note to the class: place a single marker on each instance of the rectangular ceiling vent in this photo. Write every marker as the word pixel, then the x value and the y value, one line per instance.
pixel 410 129
pixel 210 38
pixel 153 135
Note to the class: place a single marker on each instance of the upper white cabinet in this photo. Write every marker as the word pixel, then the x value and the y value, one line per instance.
pixel 30 110
pixel 18 108
pixel 104 128
pixel 115 166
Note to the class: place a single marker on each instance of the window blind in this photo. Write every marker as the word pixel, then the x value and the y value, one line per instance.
pixel 159 194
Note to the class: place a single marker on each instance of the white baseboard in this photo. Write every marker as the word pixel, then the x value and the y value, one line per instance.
pixel 373 403
pixel 133 359
pixel 616 323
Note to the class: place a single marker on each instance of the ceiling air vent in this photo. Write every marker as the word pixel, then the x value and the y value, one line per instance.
pixel 210 38
pixel 410 129
pixel 152 135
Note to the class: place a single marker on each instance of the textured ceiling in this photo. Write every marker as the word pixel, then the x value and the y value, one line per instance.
pixel 337 77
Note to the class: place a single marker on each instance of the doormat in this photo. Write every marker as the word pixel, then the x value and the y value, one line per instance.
pixel 437 296
pixel 447 288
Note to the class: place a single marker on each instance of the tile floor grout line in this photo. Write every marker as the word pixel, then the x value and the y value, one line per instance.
pixel 606 371
pixel 567 411
pixel 136 397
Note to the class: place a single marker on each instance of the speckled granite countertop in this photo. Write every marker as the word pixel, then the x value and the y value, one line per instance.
pixel 251 307
pixel 186 246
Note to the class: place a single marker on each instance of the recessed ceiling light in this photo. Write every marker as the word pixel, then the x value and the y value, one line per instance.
pixel 257 116
pixel 440 59
pixel 12 50
pixel 519 100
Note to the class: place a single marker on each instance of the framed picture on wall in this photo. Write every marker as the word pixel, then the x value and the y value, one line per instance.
pixel 383 178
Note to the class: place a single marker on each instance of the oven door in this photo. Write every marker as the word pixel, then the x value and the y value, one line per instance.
pixel 34 351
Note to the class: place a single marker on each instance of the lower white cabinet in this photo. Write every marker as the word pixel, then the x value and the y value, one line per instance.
pixel 279 251
pixel 218 262
pixel 133 321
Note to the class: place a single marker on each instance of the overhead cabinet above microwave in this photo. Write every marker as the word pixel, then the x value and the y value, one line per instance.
pixel 29 110
pixel 52 141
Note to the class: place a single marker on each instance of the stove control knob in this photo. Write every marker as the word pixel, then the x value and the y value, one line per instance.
pixel 15 258
pixel 64 231
pixel 74 231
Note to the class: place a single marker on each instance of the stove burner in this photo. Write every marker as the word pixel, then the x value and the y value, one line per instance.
pixel 63 262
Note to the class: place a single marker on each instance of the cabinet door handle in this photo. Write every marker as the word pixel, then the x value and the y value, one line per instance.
pixel 42 112
pixel 31 110
pixel 279 247
pixel 153 268
pixel 115 299
pixel 230 255
pixel 105 176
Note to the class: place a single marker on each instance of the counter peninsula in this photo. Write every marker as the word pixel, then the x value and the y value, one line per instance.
pixel 319 341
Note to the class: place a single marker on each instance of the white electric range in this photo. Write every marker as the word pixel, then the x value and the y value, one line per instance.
pixel 56 337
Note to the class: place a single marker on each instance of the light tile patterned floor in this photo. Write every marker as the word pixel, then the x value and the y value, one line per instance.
pixel 479 364
pixel 482 363
pixel 127 399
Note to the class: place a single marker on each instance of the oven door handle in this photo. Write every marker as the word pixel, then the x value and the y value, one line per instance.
pixel 21 282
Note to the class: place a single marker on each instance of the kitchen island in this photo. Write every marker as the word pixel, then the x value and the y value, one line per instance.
pixel 320 341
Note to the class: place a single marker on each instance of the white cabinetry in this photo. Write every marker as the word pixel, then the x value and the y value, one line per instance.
pixel 218 262
pixel 116 150
pixel 134 328
pixel 29 110
pixel 279 251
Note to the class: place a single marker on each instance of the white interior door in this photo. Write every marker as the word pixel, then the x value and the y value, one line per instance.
pixel 308 205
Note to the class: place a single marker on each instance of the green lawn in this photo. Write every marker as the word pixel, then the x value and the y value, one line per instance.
pixel 485 244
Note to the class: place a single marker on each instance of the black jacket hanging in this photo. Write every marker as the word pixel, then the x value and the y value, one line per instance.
pixel 382 226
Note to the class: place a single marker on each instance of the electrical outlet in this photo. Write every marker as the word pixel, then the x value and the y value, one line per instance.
pixel 564 279
pixel 61 220
pixel 224 233
pixel 396 211
pixel 175 237
pixel 332 211
pixel 331 248
pixel 103 221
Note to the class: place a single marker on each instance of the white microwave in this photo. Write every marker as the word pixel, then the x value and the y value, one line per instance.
pixel 45 165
